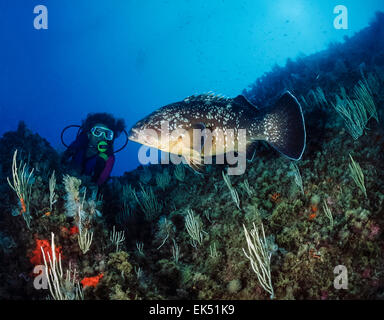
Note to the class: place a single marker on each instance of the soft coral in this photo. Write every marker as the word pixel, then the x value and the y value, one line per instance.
pixel 92 281
pixel 36 257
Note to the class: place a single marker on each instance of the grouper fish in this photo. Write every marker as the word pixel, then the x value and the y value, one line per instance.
pixel 282 126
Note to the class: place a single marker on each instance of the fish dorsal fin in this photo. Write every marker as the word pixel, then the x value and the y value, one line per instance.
pixel 243 101
pixel 207 97
pixel 215 97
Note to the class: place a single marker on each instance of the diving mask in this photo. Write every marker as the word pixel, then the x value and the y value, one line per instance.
pixel 98 131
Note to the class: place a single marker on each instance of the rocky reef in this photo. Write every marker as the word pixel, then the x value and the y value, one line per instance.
pixel 168 232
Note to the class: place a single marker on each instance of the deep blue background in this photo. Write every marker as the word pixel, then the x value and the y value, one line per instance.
pixel 129 57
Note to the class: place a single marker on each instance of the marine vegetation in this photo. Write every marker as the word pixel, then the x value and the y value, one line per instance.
pixel 281 230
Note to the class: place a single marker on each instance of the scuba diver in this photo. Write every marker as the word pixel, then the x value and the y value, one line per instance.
pixel 92 152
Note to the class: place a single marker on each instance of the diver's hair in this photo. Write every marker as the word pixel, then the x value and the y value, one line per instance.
pixel 116 125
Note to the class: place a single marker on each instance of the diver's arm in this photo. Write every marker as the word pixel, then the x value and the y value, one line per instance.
pixel 67 154
pixel 80 143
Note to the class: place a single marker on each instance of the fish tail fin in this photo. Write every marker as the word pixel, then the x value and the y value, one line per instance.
pixel 284 127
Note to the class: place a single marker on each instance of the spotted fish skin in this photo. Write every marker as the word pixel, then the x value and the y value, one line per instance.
pixel 282 126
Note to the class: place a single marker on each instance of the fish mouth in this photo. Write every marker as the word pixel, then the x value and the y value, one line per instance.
pixel 133 134
pixel 142 137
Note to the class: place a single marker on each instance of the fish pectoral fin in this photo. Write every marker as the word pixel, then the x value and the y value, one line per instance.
pixel 195 167
pixel 194 160
pixel 176 147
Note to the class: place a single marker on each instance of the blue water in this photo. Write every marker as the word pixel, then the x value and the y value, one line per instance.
pixel 130 57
